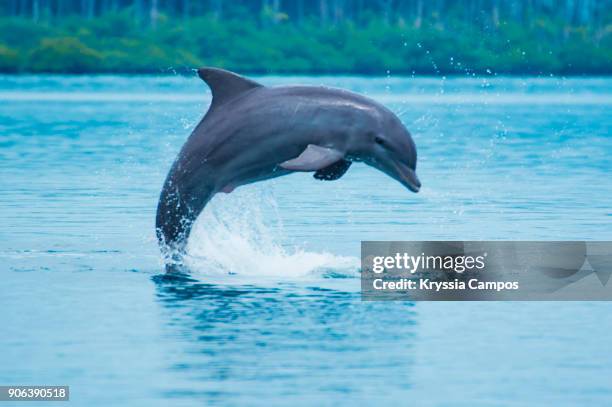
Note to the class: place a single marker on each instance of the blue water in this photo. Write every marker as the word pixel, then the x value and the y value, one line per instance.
pixel 272 315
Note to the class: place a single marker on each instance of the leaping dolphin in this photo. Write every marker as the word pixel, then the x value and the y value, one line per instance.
pixel 252 132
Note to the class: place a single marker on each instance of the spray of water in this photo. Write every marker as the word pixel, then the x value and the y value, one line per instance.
pixel 241 234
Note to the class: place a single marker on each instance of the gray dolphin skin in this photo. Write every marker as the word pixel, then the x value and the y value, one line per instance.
pixel 252 132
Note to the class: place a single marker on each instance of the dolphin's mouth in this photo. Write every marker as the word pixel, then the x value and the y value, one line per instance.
pixel 407 176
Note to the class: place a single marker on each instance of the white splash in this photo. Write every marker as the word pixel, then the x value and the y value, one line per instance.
pixel 231 238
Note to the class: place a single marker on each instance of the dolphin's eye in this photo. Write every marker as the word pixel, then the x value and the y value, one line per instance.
pixel 379 141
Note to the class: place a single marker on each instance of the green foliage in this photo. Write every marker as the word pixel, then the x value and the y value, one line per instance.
pixel 63 55
pixel 23 33
pixel 9 59
pixel 274 44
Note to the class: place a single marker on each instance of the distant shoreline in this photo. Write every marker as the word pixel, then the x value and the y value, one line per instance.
pixel 114 44
pixel 189 73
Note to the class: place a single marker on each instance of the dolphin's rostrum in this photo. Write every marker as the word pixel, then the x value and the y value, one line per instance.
pixel 252 133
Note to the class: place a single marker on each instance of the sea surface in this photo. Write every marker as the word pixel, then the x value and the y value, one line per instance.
pixel 272 314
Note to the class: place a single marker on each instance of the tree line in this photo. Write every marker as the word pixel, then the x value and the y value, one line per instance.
pixel 412 12
pixel 538 37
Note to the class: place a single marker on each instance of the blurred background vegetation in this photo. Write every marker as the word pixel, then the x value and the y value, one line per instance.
pixel 374 37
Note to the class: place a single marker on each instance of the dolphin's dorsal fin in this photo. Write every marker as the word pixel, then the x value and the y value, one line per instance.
pixel 225 85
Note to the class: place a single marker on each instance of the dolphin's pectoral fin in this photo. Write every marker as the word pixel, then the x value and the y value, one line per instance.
pixel 314 158
pixel 334 171
pixel 228 189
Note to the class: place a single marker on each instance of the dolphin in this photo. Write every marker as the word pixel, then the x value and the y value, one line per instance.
pixel 252 132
